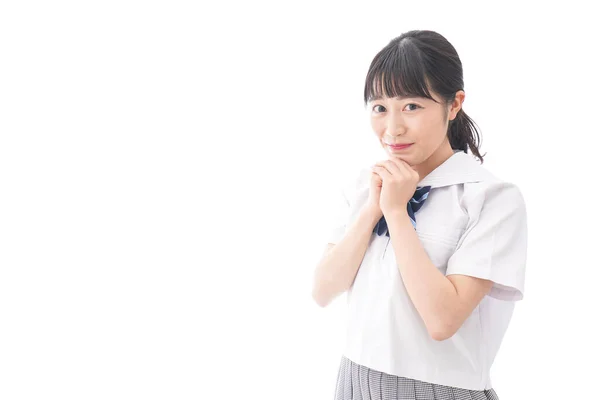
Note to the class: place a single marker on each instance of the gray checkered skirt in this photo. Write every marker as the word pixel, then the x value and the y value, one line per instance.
pixel 357 382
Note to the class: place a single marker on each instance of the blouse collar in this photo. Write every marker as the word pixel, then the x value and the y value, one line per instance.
pixel 458 168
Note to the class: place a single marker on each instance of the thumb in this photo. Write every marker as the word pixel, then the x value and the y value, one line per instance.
pixel 376 181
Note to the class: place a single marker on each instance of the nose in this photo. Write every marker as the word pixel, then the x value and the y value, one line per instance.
pixel 395 125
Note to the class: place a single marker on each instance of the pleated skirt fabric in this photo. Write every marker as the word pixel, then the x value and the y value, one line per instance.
pixel 357 382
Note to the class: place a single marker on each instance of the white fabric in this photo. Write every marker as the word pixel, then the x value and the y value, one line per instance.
pixel 471 224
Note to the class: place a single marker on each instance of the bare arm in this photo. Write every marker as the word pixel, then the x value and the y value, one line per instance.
pixel 337 268
pixel 443 302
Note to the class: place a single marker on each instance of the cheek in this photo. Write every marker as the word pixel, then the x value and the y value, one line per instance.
pixel 378 127
pixel 435 131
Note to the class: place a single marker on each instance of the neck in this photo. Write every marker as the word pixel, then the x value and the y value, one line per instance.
pixel 440 155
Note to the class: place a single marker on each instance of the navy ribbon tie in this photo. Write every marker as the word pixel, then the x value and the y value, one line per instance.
pixel 414 204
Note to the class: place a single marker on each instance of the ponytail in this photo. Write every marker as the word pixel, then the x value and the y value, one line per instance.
pixel 463 134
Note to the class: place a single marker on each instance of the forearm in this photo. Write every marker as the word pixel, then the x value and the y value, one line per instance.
pixel 432 294
pixel 338 268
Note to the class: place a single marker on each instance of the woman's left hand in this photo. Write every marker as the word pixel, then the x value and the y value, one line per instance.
pixel 399 184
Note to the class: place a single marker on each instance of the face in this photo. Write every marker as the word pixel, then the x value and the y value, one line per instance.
pixel 417 124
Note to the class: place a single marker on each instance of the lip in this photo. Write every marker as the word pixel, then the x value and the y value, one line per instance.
pixel 399 146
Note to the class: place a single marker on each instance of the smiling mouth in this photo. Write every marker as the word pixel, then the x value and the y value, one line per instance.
pixel 399 146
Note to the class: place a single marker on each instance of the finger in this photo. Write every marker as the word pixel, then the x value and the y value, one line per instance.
pixel 406 170
pixel 389 166
pixel 382 172
pixel 393 167
pixel 397 167
pixel 376 180
pixel 410 171
pixel 375 176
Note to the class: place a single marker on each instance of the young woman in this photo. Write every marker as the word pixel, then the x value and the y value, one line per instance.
pixel 430 246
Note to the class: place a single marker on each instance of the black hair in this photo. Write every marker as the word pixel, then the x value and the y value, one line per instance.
pixel 415 62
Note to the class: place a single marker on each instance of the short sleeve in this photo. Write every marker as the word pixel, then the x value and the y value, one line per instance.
pixel 494 244
pixel 339 212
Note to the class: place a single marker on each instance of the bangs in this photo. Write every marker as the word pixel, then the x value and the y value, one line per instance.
pixel 397 71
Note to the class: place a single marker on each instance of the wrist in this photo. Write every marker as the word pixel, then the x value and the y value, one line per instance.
pixel 372 213
pixel 397 214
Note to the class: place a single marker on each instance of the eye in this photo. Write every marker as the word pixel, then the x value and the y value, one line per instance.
pixel 416 106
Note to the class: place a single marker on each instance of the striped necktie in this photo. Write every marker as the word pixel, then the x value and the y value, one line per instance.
pixel 415 203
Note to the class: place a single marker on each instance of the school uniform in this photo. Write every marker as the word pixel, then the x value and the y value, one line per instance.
pixel 472 223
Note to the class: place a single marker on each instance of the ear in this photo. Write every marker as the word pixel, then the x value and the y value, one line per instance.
pixel 456 104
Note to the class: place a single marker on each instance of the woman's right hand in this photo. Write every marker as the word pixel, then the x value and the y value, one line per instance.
pixel 372 204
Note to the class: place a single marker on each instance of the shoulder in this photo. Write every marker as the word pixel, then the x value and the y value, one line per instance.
pixel 492 193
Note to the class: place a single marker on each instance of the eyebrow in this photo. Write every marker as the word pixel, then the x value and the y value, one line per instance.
pixel 397 97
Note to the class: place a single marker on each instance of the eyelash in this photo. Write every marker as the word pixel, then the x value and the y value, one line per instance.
pixel 410 104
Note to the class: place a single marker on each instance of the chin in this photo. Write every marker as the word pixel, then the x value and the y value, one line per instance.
pixel 411 159
pixel 404 158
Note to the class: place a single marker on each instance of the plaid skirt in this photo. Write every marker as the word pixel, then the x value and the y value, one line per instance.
pixel 357 382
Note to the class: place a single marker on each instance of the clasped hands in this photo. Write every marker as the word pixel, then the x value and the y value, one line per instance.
pixel 393 184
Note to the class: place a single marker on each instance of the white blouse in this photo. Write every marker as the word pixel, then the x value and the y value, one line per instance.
pixel 472 224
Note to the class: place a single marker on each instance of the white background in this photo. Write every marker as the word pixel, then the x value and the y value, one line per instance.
pixel 167 171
